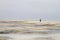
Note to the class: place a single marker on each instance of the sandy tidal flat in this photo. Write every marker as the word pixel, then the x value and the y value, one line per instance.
pixel 29 30
pixel 31 36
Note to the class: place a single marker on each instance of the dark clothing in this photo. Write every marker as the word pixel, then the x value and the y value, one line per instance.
pixel 40 20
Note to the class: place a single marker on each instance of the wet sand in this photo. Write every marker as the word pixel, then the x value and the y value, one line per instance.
pixel 27 30
pixel 32 36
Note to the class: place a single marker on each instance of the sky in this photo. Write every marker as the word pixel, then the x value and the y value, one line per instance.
pixel 30 10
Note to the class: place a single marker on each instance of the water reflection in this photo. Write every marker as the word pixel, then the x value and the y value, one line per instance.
pixel 5 38
pixel 19 31
pixel 26 37
pixel 44 38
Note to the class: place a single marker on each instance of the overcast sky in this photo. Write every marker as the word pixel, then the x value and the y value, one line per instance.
pixel 29 9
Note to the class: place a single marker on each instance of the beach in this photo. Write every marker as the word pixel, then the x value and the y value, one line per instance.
pixel 29 30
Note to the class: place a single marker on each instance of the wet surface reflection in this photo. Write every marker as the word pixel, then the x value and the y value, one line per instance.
pixel 31 31
pixel 5 38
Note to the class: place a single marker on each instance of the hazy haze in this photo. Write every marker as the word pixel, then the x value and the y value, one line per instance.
pixel 29 9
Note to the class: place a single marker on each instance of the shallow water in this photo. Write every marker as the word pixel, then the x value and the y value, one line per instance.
pixel 49 35
pixel 29 32
pixel 31 36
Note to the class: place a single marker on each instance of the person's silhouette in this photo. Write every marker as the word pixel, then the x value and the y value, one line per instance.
pixel 40 20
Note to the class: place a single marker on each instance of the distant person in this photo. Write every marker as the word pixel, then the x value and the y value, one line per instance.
pixel 40 20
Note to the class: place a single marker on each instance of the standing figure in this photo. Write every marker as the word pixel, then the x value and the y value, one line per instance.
pixel 40 20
